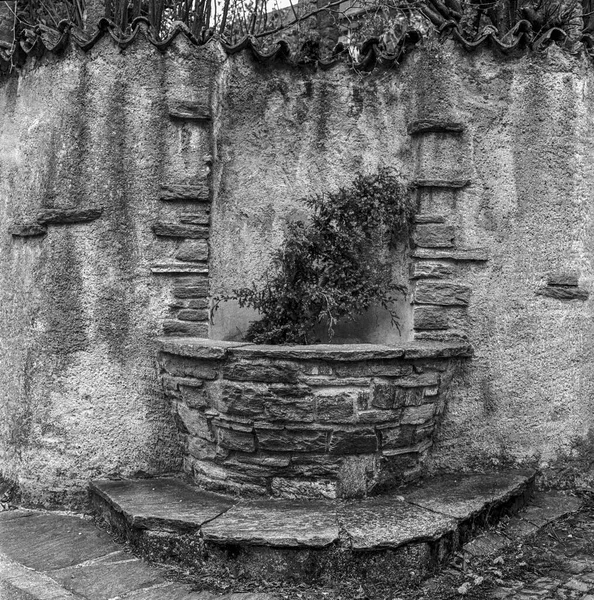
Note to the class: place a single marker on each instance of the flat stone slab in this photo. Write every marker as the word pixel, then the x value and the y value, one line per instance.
pixel 162 503
pixel 546 507
pixel 285 523
pixel 20 583
pixel 464 496
pixel 218 349
pixel 389 522
pixel 109 578
pixel 197 347
pixel 9 515
pixel 48 541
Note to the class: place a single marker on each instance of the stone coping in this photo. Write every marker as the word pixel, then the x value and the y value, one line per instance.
pixel 219 349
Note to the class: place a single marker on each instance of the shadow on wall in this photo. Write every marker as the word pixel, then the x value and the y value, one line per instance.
pixel 230 321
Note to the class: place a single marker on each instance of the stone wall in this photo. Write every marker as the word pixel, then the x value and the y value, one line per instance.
pixel 139 182
pixel 298 421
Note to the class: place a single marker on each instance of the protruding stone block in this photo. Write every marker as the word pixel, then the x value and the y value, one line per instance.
pixel 175 268
pixel 435 126
pixel 429 218
pixel 356 441
pixel 185 193
pixel 184 328
pixel 442 293
pixel 189 314
pixel 192 288
pixel 458 254
pixel 433 235
pixel 563 292
pixel 430 317
pixel 442 183
pixel 432 270
pixel 565 279
pixel 181 231
pixel 27 230
pixel 189 111
pixel 67 216
pixel 197 217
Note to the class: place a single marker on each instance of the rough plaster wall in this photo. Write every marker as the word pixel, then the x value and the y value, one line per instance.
pixel 285 134
pixel 79 395
pixel 79 389
pixel 529 392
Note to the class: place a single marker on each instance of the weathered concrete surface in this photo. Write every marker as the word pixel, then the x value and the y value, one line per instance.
pixel 79 392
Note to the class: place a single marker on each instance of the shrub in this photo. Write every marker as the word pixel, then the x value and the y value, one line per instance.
pixel 335 266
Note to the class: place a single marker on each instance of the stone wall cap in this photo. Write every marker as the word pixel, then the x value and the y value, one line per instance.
pixel 205 348
pixel 197 347
pixel 521 37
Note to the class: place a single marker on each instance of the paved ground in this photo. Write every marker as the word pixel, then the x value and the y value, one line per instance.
pixel 59 556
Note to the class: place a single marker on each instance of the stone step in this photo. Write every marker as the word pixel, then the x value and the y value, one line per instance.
pixel 408 533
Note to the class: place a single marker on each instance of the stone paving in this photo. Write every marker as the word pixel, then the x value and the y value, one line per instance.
pixel 61 556
pixel 58 556
pixel 552 562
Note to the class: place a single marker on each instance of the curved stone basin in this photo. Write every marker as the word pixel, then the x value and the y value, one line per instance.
pixel 321 420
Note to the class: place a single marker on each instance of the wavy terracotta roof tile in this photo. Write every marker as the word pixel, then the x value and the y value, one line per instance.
pixel 44 39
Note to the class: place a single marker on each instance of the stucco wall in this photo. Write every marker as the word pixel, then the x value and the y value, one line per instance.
pixel 80 395
pixel 80 307
pixel 527 152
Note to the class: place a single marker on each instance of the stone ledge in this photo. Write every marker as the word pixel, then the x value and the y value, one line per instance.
pixel 413 528
pixel 188 111
pixel 429 218
pixel 164 229
pixel 563 292
pixel 435 126
pixel 27 230
pixel 330 352
pixel 458 254
pixel 54 216
pixel 175 268
pixel 185 193
pixel 442 183
pixel 67 216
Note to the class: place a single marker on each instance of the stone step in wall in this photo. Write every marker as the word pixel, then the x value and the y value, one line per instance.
pixel 185 195
pixel 440 254
pixel 346 421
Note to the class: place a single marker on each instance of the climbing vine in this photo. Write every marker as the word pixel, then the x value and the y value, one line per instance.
pixel 335 265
